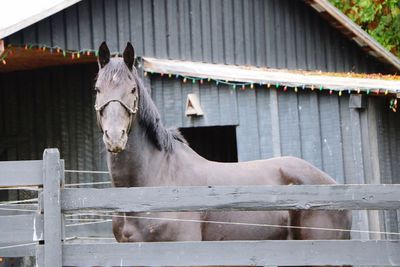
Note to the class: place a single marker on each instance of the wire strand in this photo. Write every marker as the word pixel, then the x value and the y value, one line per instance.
pixel 79 184
pixel 19 245
pixel 86 223
pixel 84 171
pixel 240 223
pixel 34 188
pixel 11 209
pixel 71 238
pixel 84 219
pixel 18 201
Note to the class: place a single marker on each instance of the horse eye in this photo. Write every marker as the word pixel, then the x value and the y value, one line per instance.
pixel 133 90
pixel 96 90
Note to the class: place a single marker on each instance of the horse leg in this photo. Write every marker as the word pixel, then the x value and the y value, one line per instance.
pixel 320 219
pixel 125 229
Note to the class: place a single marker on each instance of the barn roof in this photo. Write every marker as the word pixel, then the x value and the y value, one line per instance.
pixel 46 8
pixel 15 18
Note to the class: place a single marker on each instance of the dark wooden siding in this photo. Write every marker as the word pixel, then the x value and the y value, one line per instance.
pixel 316 126
pixel 274 33
pixel 389 155
pixel 54 108
pixel 51 108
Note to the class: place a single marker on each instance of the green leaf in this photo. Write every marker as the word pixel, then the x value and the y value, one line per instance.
pixel 381 19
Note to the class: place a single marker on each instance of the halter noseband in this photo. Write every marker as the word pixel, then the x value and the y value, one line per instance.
pixel 131 111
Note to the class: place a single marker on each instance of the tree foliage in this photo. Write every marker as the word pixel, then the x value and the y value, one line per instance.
pixel 380 18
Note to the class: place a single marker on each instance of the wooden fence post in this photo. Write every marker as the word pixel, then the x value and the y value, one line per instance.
pixel 52 179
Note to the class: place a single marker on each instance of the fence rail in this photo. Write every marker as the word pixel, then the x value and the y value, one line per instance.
pixel 236 253
pixel 21 228
pixel 202 198
pixel 17 173
pixel 46 225
pixel 18 250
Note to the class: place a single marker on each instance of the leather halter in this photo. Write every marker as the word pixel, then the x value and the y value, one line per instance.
pixel 131 111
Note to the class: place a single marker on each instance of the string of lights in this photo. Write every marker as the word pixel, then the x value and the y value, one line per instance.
pixel 77 54
pixel 250 85
pixel 73 54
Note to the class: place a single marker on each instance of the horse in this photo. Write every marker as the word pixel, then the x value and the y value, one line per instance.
pixel 142 152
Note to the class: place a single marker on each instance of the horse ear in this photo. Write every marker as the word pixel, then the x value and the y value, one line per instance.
pixel 129 55
pixel 104 55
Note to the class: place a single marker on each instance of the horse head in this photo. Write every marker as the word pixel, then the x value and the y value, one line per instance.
pixel 116 96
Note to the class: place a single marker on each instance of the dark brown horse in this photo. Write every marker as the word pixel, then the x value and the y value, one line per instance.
pixel 142 152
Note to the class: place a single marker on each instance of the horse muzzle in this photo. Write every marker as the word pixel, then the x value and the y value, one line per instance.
pixel 115 142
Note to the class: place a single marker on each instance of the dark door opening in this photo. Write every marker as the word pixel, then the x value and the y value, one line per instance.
pixel 213 143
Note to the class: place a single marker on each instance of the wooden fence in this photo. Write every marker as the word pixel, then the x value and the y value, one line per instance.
pixel 46 232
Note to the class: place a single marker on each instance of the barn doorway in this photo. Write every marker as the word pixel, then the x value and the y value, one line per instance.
pixel 213 143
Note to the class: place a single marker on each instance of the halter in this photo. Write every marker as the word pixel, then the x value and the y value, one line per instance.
pixel 131 111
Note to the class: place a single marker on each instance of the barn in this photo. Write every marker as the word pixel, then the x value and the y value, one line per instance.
pixel 261 78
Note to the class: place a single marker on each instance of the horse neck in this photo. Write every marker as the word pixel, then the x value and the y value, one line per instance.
pixel 141 163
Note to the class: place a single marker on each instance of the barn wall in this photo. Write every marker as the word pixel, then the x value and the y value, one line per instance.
pixel 54 108
pixel 316 126
pixel 353 146
pixel 388 124
pixel 274 33
pixel 51 108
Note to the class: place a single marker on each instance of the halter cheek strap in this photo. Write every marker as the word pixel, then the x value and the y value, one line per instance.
pixel 131 112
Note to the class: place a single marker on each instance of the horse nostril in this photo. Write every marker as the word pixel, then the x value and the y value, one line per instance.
pixel 123 133
pixel 105 132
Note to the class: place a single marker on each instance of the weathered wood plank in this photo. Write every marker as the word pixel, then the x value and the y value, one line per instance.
pixel 247 134
pixel 39 255
pixel 275 130
pixel 331 136
pixel 360 218
pixel 101 229
pixel 289 126
pixel 233 198
pixel 21 228
pixel 13 250
pixel 52 210
pixel 252 253
pixel 17 209
pixel 21 173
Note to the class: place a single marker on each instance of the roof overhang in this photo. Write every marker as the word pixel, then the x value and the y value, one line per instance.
pixel 354 32
pixel 40 10
pixel 23 58
pixel 28 58
pixel 232 74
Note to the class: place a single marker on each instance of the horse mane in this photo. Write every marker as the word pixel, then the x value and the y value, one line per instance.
pixel 150 119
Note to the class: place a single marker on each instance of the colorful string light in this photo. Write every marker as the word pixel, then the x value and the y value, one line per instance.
pixel 44 48
pixel 90 52
pixel 393 104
